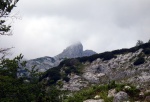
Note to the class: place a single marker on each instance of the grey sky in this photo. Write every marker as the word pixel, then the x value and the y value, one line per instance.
pixel 49 26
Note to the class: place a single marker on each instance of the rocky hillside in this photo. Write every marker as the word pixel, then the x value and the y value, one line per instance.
pixel 125 66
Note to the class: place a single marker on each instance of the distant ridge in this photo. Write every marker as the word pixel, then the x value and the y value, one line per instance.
pixel 45 63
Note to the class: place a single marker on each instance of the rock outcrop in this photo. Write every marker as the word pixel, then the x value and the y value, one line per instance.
pixel 88 53
pixel 120 69
pixel 111 93
pixel 75 84
pixel 121 97
pixel 74 51
pixel 42 63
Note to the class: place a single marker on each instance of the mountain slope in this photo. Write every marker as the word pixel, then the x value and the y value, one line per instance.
pixel 42 63
pixel 124 65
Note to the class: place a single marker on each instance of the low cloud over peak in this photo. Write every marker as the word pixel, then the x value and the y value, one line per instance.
pixel 47 27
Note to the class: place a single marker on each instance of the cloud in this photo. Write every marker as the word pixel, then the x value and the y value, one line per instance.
pixel 48 26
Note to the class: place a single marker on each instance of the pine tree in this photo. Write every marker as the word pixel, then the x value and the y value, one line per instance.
pixel 6 6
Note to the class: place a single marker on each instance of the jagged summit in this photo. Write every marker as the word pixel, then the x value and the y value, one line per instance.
pixel 74 51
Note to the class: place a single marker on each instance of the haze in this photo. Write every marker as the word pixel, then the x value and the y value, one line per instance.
pixel 47 27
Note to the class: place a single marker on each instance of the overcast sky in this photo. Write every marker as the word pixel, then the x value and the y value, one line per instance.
pixel 47 27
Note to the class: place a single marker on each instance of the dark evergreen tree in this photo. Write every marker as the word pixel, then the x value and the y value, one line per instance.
pixel 6 6
pixel 139 42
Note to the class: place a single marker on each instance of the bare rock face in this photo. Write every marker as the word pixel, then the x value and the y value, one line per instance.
pixel 121 97
pixel 111 93
pixel 75 84
pixel 42 63
pixel 119 68
pixel 74 51
pixel 88 53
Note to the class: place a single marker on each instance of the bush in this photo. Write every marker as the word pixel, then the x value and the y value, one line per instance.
pixel 112 85
pixel 69 62
pixel 108 56
pixel 66 79
pixel 133 92
pixel 139 61
pixel 146 51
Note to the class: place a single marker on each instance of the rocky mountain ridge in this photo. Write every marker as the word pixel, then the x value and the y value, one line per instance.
pixel 125 66
pixel 45 63
pixel 74 51
pixel 121 69
pixel 117 76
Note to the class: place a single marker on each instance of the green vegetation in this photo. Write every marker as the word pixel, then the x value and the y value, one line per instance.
pixel 68 66
pixel 139 61
pixel 139 42
pixel 6 6
pixel 24 88
pixel 43 88
pixel 104 56
pixel 13 88
pixel 146 51
pixel 102 91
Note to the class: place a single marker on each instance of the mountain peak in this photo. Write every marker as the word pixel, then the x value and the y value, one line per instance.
pixel 77 44
pixel 73 51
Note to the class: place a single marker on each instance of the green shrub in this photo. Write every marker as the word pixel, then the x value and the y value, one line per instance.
pixel 132 92
pixel 139 61
pixel 120 87
pixel 147 51
pixel 66 79
pixel 112 85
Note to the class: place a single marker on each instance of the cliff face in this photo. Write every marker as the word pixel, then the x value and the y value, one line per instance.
pixel 74 51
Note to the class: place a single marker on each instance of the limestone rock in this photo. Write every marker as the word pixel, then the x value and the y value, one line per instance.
pixel 97 97
pixel 74 51
pixel 88 53
pixel 111 93
pixel 75 83
pixel 92 100
pixel 127 87
pixel 42 63
pixel 120 97
pixel 141 94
